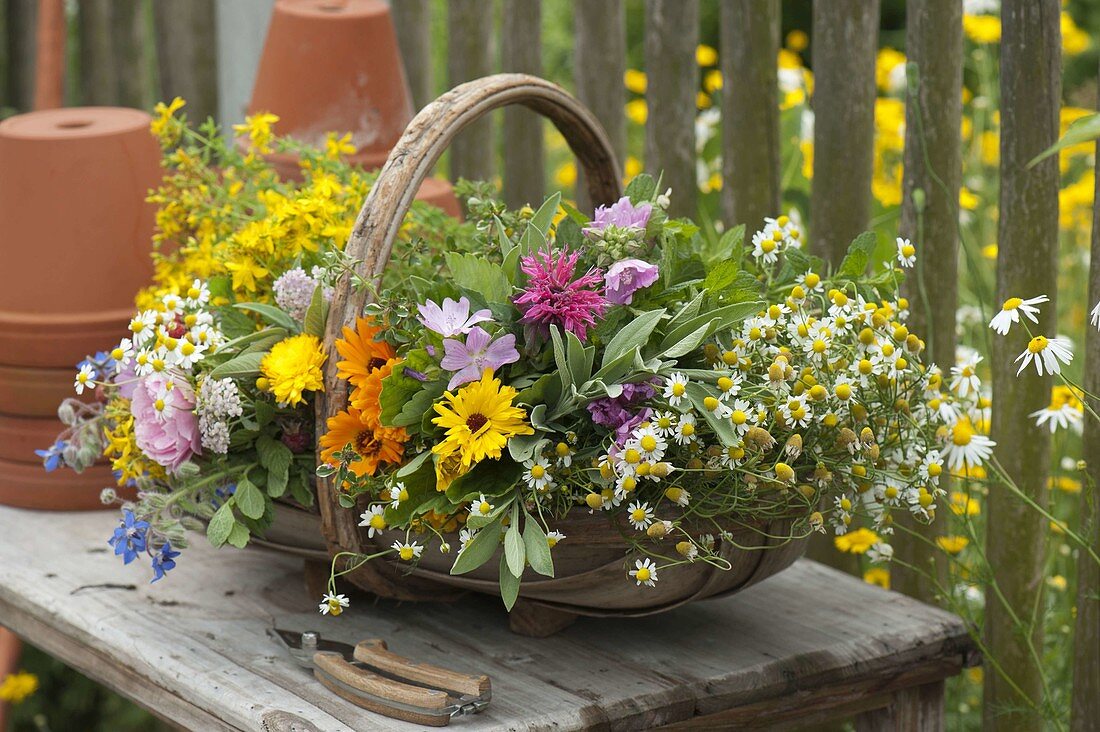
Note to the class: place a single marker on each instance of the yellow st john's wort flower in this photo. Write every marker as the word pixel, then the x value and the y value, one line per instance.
pixel 258 129
pixel 479 420
pixel 17 687
pixel 161 126
pixel 293 366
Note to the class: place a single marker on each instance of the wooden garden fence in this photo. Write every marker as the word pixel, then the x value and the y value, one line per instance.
pixel 134 52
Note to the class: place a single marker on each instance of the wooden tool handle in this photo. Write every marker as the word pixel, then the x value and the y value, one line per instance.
pixel 374 653
pixel 381 695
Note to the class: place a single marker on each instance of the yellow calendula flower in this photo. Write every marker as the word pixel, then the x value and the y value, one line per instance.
pixel 479 420
pixel 857 541
pixel 877 576
pixel 17 687
pixel 293 366
pixel 967 199
pixel 952 544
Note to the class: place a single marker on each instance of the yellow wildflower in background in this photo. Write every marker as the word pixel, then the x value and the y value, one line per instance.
pixel 712 81
pixel 635 81
pixel 293 366
pixel 257 128
pixel 952 544
pixel 706 55
pixel 982 28
pixel 961 503
pixel 1064 483
pixel 989 251
pixel 1057 582
pixel 479 419
pixel 877 576
pixel 566 174
pixel 857 541
pixel 886 68
pixel 17 687
pixel 633 167
pixel 797 40
pixel 163 125
pixel 1074 40
pixel 336 147
pixel 967 200
pixel 637 111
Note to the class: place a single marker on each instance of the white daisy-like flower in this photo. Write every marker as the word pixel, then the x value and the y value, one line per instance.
pixel 375 521
pixel 811 281
pixel 767 244
pixel 880 552
pixel 464 538
pixel 564 455
pixel 198 294
pixel 333 604
pixel 741 416
pixel 85 379
pixel 143 326
pixel 537 474
pixel 644 572
pixel 407 551
pixel 640 515
pixel 907 253
pixel 649 443
pixel 965 447
pixel 731 457
pixel 675 388
pixel 480 506
pixel 1058 417
pixel 686 430
pixel 398 493
pixel 931 467
pixel 553 537
pixel 1094 316
pixel 664 424
pixel 964 377
pixel 172 304
pixel 1010 312
pixel 123 353
pixel 1046 352
pixel 188 354
pixel 796 412
pixel 729 386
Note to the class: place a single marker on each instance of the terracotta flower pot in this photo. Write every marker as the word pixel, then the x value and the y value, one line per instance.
pixel 10 651
pixel 75 230
pixel 21 436
pixel 26 485
pixel 29 391
pixel 334 66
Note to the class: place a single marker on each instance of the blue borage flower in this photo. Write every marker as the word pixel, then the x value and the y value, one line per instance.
pixel 53 457
pixel 163 560
pixel 130 538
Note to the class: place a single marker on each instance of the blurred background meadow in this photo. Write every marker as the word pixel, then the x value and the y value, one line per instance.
pixel 60 699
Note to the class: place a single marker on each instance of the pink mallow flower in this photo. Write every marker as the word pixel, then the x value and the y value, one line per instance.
pixel 622 213
pixel 451 319
pixel 165 426
pixel 468 360
pixel 553 297
pixel 626 277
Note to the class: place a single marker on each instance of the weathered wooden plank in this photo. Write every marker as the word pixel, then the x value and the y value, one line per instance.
pixel 4 55
pixel 21 16
pixel 1085 709
pixel 750 111
pixel 671 35
pixel 413 20
pixel 930 218
pixel 193 645
pixel 187 55
pixel 131 44
pixel 599 62
pixel 521 51
pixel 1027 265
pixel 845 34
pixel 470 41
pixel 99 74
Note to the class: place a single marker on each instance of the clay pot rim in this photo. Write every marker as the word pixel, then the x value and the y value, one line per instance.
pixel 73 123
pixel 330 8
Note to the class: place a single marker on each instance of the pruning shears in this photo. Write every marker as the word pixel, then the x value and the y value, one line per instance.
pixel 372 677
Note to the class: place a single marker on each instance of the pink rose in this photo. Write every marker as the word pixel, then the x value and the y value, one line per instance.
pixel 626 277
pixel 165 425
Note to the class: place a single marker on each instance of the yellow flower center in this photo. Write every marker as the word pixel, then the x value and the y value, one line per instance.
pixel 961 435
pixel 637 514
pixel 561 449
pixel 649 443
pixel 812 279
pixel 159 405
pixel 537 472
pixel 819 346
pixel 865 366
pixel 767 246
pixel 1012 303
pixel 628 483
pixel 484 508
pixel 643 574
pixel 687 429
pixel 406 553
pixel 377 522
pixel 1037 344
pixel 678 389
pixel 710 403
pixel 739 417
pixel 908 250
pixel 934 469
pixel 632 456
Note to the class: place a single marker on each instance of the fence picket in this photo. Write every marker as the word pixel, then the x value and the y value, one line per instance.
pixel 521 50
pixel 99 76
pixel 413 21
pixel 187 55
pixel 750 111
pixel 470 56
pixel 845 40
pixel 21 15
pixel 671 36
pixel 1027 265
pixel 599 62
pixel 930 216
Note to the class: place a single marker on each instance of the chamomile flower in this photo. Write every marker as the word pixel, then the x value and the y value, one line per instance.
pixel 85 379
pixel 907 253
pixel 1094 316
pixel 729 386
pixel 664 424
pixel 766 244
pixel 1010 312
pixel 333 604
pixel 172 304
pixel 811 281
pixel 564 454
pixel 965 447
pixel 480 506
pixel 1056 418
pixel 678 495
pixel 796 412
pixel 374 519
pixel 964 377
pixel 398 493
pixel 649 443
pixel 931 467
pixel 537 474
pixel 718 408
pixel 198 294
pixel 464 538
pixel 640 515
pixel 123 353
pixel 686 430
pixel 1046 352
pixel 741 416
pixel 553 537
pixel 644 572
pixel 675 389
pixel 407 551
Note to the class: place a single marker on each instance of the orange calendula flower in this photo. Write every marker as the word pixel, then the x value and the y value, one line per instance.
pixel 367 394
pixel 361 351
pixel 374 444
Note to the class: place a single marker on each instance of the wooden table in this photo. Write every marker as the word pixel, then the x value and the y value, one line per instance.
pixel 808 645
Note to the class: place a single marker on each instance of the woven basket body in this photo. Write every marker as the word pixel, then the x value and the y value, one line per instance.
pixel 591 564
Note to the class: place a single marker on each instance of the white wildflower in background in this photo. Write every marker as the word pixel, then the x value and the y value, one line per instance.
pixel 408 551
pixel 964 377
pixel 1094 317
pixel 374 520
pixel 553 537
pixel 333 604
pixel 85 378
pixel 675 389
pixel 1046 352
pixel 965 447
pixel 644 572
pixel 641 515
pixel 1010 312
pixel 907 253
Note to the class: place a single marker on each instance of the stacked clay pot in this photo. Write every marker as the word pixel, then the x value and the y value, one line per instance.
pixel 334 66
pixel 75 235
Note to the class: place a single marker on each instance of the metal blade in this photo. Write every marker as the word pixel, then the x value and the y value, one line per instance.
pixel 303 645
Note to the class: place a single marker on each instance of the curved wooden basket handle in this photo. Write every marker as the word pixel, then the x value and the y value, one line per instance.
pixel 409 164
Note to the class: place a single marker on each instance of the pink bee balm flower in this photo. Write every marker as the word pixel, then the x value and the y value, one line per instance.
pixel 622 213
pixel 468 360
pixel 451 319
pixel 626 277
pixel 165 426
pixel 553 297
